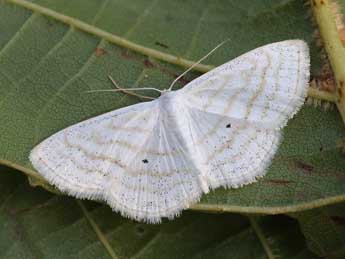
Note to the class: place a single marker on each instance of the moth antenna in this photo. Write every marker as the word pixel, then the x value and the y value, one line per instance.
pixel 126 90
pixel 197 63
pixel 138 88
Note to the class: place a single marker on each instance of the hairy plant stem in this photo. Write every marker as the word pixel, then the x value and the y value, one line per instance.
pixel 321 95
pixel 334 48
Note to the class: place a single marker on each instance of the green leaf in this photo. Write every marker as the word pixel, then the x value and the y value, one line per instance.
pixel 324 229
pixel 47 65
pixel 36 224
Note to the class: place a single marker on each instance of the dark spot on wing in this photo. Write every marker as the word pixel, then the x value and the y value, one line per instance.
pixel 228 125
pixel 145 161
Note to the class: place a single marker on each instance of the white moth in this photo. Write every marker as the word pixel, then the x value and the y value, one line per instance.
pixel 154 159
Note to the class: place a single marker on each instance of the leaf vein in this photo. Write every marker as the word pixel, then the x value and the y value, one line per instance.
pixel 140 19
pixel 17 34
